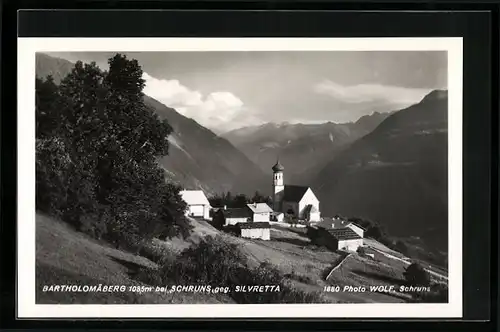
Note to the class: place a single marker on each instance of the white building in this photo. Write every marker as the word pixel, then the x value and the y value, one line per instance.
pixel 296 201
pixel 336 238
pixel 260 211
pixel 197 203
pixel 255 230
pixel 337 233
pixel 235 216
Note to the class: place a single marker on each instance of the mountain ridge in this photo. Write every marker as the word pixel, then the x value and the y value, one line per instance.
pixel 303 147
pixel 397 174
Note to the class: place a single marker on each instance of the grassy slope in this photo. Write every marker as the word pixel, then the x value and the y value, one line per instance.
pixel 66 257
pixel 290 251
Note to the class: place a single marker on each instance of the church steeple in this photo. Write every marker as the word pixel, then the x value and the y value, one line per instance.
pixel 278 185
pixel 278 167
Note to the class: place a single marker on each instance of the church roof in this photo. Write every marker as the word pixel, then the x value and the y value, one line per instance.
pixel 294 193
pixel 278 167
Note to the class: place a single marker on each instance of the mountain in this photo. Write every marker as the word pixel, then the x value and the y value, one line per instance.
pixel 368 123
pixel 303 148
pixel 396 175
pixel 197 158
pixel 47 65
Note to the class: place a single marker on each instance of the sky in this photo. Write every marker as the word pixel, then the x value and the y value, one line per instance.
pixel 228 90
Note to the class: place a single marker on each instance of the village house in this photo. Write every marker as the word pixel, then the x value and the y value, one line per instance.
pixel 260 211
pixel 295 201
pixel 253 212
pixel 234 216
pixel 337 238
pixel 197 203
pixel 337 234
pixel 338 222
pixel 255 230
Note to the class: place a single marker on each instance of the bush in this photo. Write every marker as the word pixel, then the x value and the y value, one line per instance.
pixel 299 277
pixel 415 275
pixel 361 251
pixel 214 262
pixel 156 253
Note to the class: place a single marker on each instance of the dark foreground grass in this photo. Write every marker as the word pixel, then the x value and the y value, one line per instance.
pixel 67 257
pixel 214 261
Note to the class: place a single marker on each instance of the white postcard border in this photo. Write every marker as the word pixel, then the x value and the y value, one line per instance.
pixel 26 306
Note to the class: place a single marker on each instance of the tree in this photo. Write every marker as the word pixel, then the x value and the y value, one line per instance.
pixel 218 220
pixel 416 275
pixel 239 201
pixel 216 200
pixel 47 95
pixel 259 198
pixel 228 197
pixel 98 150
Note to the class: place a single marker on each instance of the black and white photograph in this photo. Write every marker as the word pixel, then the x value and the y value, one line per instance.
pixel 189 178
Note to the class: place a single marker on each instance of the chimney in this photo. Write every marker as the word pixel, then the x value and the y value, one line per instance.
pixel 255 204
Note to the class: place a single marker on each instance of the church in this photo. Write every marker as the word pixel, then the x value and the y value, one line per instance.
pixel 296 201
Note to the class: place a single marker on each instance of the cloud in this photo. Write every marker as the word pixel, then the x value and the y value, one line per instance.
pixel 219 110
pixel 371 93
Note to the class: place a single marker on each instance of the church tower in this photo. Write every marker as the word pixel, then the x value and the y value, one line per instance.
pixel 278 186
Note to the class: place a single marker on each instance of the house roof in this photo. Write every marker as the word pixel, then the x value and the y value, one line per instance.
pixel 294 193
pixel 344 233
pixel 194 197
pixel 236 213
pixel 259 207
pixel 250 225
pixel 357 225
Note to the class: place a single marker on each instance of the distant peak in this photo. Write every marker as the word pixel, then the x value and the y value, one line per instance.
pixel 436 95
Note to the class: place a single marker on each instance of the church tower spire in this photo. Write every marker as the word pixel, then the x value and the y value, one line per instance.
pixel 278 185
